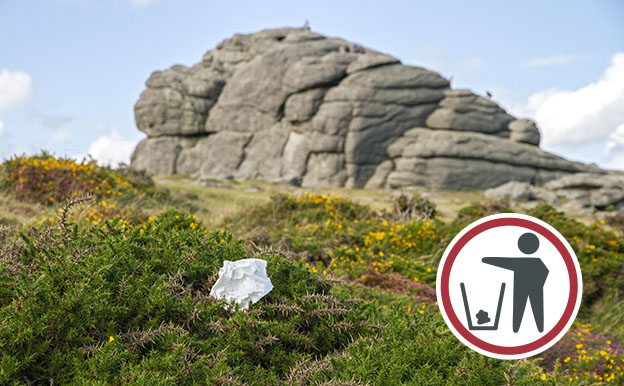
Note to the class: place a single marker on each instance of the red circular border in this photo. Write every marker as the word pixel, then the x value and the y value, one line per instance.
pixel 550 335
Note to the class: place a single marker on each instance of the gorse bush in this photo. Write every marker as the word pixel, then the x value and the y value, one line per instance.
pixel 132 303
pixel 113 304
pixel 337 236
pixel 47 180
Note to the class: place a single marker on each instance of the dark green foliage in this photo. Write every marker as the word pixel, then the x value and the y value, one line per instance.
pixel 112 305
pixel 125 301
pixel 106 304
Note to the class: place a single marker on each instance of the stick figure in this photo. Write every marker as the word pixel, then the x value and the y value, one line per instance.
pixel 529 277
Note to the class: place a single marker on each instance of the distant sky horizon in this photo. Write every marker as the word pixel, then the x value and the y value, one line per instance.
pixel 72 70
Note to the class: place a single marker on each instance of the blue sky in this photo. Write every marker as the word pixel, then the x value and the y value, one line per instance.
pixel 71 70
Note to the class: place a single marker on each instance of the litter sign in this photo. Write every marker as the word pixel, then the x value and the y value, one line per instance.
pixel 509 286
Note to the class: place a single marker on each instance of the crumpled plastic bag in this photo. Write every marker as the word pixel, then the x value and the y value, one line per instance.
pixel 242 281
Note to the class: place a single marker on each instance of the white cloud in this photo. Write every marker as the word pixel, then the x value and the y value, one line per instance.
pixel 590 113
pixel 112 149
pixel 15 87
pixel 615 148
pixel 555 60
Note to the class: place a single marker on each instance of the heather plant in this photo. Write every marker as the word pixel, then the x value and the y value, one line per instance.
pixel 585 356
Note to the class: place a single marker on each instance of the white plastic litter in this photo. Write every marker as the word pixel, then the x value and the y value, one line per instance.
pixel 242 281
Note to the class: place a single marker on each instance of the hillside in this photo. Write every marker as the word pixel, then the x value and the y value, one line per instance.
pixel 112 287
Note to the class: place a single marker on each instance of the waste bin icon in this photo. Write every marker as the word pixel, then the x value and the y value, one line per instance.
pixel 481 315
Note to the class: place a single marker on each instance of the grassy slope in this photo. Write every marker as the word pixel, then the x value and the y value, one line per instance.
pixel 402 339
pixel 221 203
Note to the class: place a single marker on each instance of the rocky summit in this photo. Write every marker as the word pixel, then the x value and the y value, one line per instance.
pixel 291 105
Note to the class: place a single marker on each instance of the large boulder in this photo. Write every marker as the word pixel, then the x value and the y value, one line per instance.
pixel 580 191
pixel 521 192
pixel 596 191
pixel 290 105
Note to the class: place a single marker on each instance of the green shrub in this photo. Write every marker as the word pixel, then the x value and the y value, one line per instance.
pixel 116 303
pixel 49 180
pixel 336 236
pixel 120 297
pixel 45 179
pixel 112 303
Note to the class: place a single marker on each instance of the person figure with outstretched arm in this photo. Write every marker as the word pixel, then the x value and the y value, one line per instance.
pixel 530 274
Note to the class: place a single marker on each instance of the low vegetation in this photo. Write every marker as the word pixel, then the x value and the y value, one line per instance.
pixel 104 279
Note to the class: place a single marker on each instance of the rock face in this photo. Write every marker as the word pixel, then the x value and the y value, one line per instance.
pixel 581 191
pixel 290 105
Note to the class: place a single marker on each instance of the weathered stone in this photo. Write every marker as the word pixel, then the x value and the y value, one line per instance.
pixel 516 192
pixel 325 169
pixel 160 155
pixel 333 118
pixel 295 106
pixel 524 130
pixel 587 181
pixel 364 62
pixel 368 138
pixel 188 161
pixel 467 174
pixel 512 191
pixel 397 76
pixel 313 72
pixel 302 106
pixel 574 198
pixel 546 196
pixel 378 179
pixel 469 112
pixel 405 178
pixel 222 153
pixel 262 158
pixel 606 197
pixel 168 111
pixel 425 143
